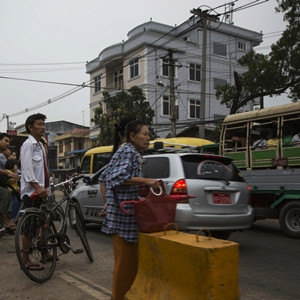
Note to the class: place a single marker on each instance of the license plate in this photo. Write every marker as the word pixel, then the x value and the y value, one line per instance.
pixel 221 198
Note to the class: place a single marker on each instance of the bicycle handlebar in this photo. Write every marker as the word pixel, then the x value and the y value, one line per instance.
pixel 74 179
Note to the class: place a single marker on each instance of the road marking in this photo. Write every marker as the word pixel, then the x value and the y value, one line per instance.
pixel 89 287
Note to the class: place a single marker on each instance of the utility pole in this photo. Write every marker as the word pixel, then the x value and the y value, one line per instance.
pixel 173 114
pixel 204 17
pixel 7 122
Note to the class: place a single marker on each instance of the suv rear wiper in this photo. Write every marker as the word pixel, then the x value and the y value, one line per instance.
pixel 216 178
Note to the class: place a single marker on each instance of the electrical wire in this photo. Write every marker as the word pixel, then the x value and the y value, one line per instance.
pixel 79 87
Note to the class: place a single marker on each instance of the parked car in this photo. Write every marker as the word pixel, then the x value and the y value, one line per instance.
pixel 222 195
pixel 89 197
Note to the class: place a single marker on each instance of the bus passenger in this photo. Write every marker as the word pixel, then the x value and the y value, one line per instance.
pixel 296 139
pixel 261 143
pixel 239 139
pixel 272 142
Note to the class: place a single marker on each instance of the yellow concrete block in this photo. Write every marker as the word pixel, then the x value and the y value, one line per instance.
pixel 175 266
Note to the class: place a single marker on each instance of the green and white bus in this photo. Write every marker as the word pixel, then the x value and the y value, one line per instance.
pixel 273 168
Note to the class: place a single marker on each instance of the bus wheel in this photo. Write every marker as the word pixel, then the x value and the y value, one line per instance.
pixel 289 219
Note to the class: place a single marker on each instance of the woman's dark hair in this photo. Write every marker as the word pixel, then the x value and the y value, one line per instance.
pixel 134 127
pixel 10 163
pixel 120 129
pixel 31 119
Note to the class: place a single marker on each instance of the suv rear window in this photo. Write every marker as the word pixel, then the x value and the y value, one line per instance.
pixel 214 167
pixel 156 167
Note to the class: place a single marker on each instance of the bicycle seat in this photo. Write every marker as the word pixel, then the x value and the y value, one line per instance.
pixel 34 197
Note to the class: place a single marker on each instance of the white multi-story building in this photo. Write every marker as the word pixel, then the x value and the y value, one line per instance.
pixel 143 60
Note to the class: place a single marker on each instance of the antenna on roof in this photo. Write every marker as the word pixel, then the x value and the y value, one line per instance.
pixel 229 12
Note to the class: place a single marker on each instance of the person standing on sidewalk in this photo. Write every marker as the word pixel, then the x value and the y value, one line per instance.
pixel 122 179
pixel 5 194
pixel 34 175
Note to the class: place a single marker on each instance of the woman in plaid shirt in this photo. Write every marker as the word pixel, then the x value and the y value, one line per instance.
pixel 121 179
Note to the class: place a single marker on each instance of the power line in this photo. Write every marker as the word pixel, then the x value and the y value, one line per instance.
pixel 41 64
pixel 44 81
pixel 79 87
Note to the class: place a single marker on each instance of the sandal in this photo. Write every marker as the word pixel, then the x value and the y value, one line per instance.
pixel 11 226
pixel 34 267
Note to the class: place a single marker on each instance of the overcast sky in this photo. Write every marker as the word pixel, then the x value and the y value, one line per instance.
pixel 52 40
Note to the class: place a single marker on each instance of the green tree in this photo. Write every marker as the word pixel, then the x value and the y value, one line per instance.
pixel 271 74
pixel 131 103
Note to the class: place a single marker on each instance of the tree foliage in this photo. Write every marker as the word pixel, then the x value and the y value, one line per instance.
pixel 113 108
pixel 271 74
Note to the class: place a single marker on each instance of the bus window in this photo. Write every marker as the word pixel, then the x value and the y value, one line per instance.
pixel 269 132
pixel 236 137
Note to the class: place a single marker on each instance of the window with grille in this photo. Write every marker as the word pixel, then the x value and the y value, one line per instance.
pixel 60 147
pixel 97 83
pixel 220 49
pixel 165 67
pixel 118 80
pixel 166 105
pixel 194 108
pixel 134 67
pixel 219 82
pixel 195 72
pixel 242 46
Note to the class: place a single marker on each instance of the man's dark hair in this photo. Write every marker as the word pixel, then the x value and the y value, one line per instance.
pixel 3 135
pixel 31 119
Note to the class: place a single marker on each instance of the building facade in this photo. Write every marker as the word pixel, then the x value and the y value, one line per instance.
pixel 71 146
pixel 66 144
pixel 154 50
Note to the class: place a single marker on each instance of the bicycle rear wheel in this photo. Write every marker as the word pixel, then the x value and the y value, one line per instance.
pixel 58 219
pixel 79 228
pixel 36 254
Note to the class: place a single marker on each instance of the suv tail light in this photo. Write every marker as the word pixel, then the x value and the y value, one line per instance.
pixel 249 193
pixel 179 188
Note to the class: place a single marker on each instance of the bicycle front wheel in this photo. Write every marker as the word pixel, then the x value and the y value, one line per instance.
pixel 36 254
pixel 76 223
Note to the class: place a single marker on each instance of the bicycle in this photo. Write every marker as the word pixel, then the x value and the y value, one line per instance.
pixel 42 230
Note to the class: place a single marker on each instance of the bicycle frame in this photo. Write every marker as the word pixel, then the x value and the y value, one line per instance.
pixel 45 209
pixel 37 235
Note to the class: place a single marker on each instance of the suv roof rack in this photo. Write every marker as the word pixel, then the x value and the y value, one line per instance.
pixel 158 147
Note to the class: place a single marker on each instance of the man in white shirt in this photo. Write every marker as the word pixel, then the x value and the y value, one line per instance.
pixel 34 171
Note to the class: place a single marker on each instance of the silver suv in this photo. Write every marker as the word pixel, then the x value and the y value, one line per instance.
pixel 221 203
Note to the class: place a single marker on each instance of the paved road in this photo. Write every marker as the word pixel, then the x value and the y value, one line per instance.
pixel 74 277
pixel 269 268
pixel 269 263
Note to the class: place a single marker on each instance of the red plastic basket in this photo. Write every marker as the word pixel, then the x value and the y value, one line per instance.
pixel 155 211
